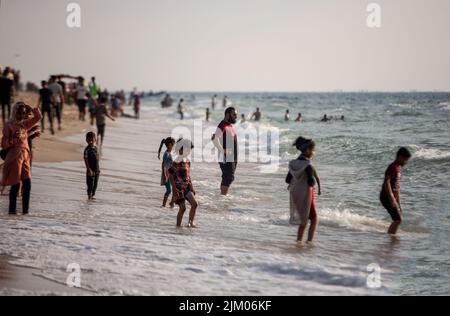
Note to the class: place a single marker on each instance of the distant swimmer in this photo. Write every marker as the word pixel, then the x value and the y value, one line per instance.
pixel 299 118
pixel 181 109
pixel 214 102
pixel 390 192
pixel 243 118
pixel 225 101
pixel 343 118
pixel 325 118
pixel 167 102
pixel 257 115
pixel 287 116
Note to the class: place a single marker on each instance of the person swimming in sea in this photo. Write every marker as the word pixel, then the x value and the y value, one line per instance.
pixel 287 116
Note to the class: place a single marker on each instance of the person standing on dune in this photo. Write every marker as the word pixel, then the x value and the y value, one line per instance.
pixel 226 141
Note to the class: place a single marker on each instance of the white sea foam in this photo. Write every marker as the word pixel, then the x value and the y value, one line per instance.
pixel 432 154
pixel 348 218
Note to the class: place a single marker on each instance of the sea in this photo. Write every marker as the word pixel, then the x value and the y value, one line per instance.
pixel 124 243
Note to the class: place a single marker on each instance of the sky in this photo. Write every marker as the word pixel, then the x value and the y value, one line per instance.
pixel 233 45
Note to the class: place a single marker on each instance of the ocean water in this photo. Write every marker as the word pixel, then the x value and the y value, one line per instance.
pixel 126 245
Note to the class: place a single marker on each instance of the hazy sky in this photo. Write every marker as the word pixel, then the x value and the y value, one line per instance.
pixel 233 45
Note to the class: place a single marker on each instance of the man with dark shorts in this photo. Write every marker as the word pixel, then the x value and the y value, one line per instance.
pixel 390 192
pixel 226 141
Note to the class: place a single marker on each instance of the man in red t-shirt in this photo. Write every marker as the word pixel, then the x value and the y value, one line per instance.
pixel 226 141
pixel 390 192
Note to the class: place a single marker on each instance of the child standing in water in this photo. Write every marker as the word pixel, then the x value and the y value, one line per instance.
pixel 91 160
pixel 302 180
pixel 166 165
pixel 390 192
pixel 180 177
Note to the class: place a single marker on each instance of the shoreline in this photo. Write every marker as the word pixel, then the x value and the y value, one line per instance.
pixel 16 279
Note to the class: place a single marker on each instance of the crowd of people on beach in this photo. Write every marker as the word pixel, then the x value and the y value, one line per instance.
pixel 23 123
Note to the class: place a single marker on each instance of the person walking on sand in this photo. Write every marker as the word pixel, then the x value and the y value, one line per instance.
pixel 390 192
pixel 45 101
pixel 6 95
pixel 208 114
pixel 101 113
pixel 226 141
pixel 81 93
pixel 92 105
pixel 92 162
pixel 17 166
pixel 180 177
pixel 57 99
pixel 302 180
pixel 137 106
pixel 94 89
pixel 166 165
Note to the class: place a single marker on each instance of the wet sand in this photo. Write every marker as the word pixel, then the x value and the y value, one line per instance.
pixel 17 280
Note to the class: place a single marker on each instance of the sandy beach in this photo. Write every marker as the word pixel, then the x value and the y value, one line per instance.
pixel 53 148
pixel 16 279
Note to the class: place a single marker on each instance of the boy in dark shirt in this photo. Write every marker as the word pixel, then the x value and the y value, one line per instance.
pixel 45 101
pixel 390 192
pixel 91 160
